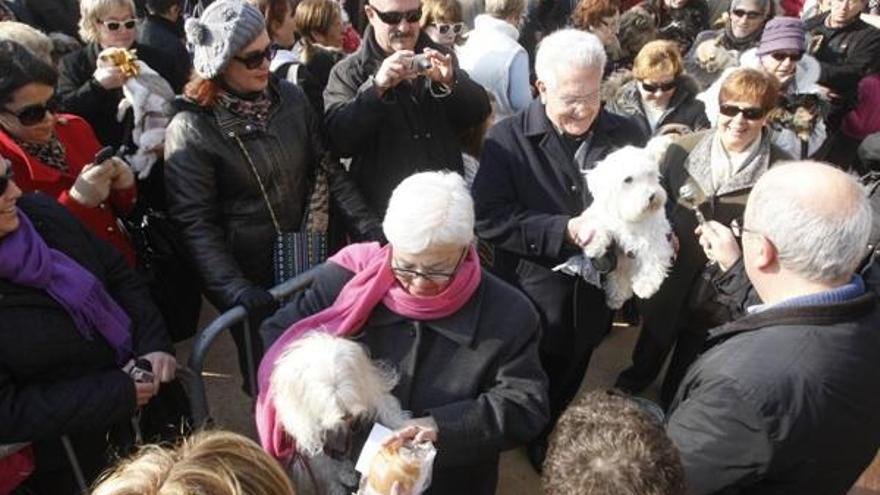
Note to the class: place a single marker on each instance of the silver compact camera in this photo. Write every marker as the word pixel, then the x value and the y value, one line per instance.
pixel 420 63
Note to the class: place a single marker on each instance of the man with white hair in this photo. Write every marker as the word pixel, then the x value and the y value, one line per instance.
pixel 784 399
pixel 530 193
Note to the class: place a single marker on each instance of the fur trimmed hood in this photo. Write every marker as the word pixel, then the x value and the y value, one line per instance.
pixel 621 95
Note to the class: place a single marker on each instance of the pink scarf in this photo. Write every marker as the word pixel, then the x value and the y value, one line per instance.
pixel 373 282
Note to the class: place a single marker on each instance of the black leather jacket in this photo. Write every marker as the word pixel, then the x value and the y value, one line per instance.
pixel 215 198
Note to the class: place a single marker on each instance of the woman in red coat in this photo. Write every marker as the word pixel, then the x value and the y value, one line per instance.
pixel 53 153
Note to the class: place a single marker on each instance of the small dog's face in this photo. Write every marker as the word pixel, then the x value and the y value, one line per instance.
pixel 627 184
pixel 712 57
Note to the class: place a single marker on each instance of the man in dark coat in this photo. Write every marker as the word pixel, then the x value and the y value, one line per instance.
pixel 162 31
pixel 784 399
pixel 391 117
pixel 530 192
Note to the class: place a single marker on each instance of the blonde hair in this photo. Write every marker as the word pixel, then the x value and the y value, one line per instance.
pixel 657 60
pixel 314 17
pixel 505 9
pixel 210 462
pixel 91 11
pixel 32 39
pixel 440 11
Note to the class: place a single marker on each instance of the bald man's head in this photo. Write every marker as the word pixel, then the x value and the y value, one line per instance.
pixel 816 216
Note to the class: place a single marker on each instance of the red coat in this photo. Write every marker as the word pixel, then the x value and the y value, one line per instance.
pixel 81 145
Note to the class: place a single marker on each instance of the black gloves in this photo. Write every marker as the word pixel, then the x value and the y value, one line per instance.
pixel 257 301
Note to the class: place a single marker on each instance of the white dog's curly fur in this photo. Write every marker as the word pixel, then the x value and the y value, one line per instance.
pixel 628 212
pixel 321 382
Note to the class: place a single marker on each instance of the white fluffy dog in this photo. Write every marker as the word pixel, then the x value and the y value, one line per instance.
pixel 322 386
pixel 628 212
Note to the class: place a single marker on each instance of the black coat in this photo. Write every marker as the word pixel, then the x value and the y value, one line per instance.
pixel 684 107
pixel 526 189
pixel 215 198
pixel 52 380
pixel 163 36
pixel 846 54
pixel 407 130
pixel 81 94
pixel 475 372
pixel 783 401
pixel 54 15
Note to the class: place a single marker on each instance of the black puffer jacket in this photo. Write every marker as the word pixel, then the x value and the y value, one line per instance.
pixel 215 198
pixel 683 107
pixel 52 380
pixel 406 130
pixel 846 54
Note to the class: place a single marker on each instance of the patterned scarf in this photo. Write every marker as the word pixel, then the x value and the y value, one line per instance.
pixel 51 153
pixel 255 111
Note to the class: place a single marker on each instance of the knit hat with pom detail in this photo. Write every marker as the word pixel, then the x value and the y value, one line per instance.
pixel 224 29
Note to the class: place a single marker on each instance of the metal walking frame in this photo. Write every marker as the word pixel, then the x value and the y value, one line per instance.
pixel 204 339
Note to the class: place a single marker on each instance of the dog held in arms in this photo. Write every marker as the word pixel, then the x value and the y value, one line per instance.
pixel 327 393
pixel 628 214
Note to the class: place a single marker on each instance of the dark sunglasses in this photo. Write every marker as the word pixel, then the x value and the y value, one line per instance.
pixel 650 88
pixel 781 57
pixel 34 114
pixel 443 28
pixel 5 179
pixel 115 25
pixel 749 113
pixel 751 15
pixel 254 60
pixel 393 18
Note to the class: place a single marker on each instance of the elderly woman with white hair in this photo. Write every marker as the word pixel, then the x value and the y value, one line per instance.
pixel 464 344
pixel 530 192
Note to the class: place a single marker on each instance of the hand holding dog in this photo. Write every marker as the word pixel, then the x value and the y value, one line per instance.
pixel 719 244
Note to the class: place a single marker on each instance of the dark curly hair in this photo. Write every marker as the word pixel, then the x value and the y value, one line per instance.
pixel 605 443
pixel 19 67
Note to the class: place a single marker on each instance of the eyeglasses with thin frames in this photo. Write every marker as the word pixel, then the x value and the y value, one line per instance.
pixel 393 18
pixel 737 228
pixel 433 277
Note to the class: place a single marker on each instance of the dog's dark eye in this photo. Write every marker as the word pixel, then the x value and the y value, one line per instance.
pixel 628 180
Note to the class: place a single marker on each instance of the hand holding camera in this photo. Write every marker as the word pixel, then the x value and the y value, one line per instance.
pixel 141 374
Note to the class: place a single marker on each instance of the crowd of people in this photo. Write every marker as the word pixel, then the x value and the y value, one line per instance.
pixel 428 162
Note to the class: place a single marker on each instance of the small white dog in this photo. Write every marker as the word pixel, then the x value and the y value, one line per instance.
pixel 628 212
pixel 322 388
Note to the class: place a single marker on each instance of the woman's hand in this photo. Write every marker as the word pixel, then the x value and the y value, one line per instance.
pixel 109 77
pixel 92 186
pixel 719 244
pixel 164 367
pixel 123 177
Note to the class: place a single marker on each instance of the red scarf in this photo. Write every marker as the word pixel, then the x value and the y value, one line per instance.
pixel 374 282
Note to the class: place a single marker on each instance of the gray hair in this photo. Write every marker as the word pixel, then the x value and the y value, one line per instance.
pixel 32 39
pixel 820 245
pixel 565 49
pixel 505 9
pixel 430 208
pixel 91 11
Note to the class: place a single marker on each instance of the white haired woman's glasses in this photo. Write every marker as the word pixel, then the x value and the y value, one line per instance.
pixel 442 277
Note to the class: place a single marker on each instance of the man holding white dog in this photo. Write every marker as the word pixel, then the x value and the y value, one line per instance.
pixel 530 194
pixel 784 399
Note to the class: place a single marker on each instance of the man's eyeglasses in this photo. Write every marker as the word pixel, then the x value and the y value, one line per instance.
pixel 5 179
pixel 438 278
pixel 444 28
pixel 115 25
pixel 664 87
pixel 750 113
pixel 736 226
pixel 573 100
pixel 749 14
pixel 254 60
pixel 782 56
pixel 393 18
pixel 32 115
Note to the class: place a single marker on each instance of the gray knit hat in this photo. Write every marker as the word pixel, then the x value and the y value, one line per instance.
pixel 224 28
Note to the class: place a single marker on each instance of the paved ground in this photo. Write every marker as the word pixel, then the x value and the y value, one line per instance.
pixel 232 409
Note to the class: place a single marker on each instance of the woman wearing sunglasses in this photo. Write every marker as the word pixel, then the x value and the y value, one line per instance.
pixel 659 92
pixel 53 153
pixel 442 21
pixel 93 90
pixel 714 169
pixel 797 124
pixel 242 155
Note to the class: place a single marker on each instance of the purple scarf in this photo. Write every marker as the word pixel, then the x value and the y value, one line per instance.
pixel 25 259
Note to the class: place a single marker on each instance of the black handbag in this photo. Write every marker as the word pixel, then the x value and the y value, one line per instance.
pixel 296 252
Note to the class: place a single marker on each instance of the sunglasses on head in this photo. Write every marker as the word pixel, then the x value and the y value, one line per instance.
pixel 115 25
pixel 254 60
pixel 5 179
pixel 751 15
pixel 781 56
pixel 750 113
pixel 444 28
pixel 393 18
pixel 651 88
pixel 34 114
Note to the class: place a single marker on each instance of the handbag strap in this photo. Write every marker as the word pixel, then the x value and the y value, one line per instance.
pixel 247 157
